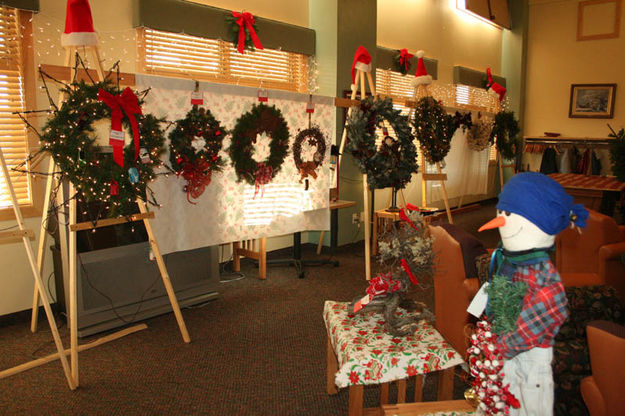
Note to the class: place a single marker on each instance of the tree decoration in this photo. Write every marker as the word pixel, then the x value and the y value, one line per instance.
pixel 505 131
pixel 395 160
pixel 479 134
pixel 433 128
pixel 486 363
pixel 314 137
pixel 243 29
pixel 505 301
pixel 194 146
pixel 617 153
pixel 69 137
pixel 260 119
pixel 407 255
pixel 401 61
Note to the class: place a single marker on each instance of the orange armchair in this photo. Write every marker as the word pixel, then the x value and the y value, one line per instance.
pixel 603 391
pixel 594 256
pixel 452 290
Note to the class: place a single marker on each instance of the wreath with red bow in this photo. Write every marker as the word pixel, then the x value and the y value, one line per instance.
pixel 434 129
pixel 401 61
pixel 314 137
pixel 194 146
pixel 260 119
pixel 392 163
pixel 117 179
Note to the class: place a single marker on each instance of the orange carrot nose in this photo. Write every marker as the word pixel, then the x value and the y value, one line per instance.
pixel 494 223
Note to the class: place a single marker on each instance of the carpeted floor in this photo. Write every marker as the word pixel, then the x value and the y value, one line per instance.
pixel 259 349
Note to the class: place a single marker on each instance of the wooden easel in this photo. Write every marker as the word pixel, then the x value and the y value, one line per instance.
pixel 25 235
pixel 419 92
pixel 359 80
pixel 69 252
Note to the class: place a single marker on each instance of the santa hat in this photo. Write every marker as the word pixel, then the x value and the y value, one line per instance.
pixel 362 61
pixel 78 25
pixel 493 87
pixel 421 77
pixel 543 201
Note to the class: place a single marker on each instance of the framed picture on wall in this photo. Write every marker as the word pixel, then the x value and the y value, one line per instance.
pixel 592 100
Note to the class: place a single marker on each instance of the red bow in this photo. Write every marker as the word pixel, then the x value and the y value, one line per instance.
pixel 498 89
pixel 404 58
pixel 246 20
pixel 198 177
pixel 128 102
pixel 404 217
pixel 361 55
pixel 383 284
pixel 404 265
pixel 263 174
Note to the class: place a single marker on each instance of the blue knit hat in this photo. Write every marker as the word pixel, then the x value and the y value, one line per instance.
pixel 542 201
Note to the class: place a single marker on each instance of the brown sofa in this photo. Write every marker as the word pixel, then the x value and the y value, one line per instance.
pixel 604 390
pixel 594 256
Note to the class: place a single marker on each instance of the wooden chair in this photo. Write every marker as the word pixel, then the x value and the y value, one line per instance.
pixel 594 256
pixel 603 390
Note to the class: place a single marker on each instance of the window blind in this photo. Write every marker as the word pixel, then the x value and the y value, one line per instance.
pixel 465 97
pixel 12 129
pixel 215 60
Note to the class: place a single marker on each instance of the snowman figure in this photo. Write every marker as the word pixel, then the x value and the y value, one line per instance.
pixel 531 211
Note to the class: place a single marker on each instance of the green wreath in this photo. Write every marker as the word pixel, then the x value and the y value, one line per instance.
pixel 394 162
pixel 68 137
pixel 398 66
pixel 505 131
pixel 194 146
pixel 260 119
pixel 315 137
pixel 434 129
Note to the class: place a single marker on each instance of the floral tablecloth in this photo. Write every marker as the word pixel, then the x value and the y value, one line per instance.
pixel 229 210
pixel 368 355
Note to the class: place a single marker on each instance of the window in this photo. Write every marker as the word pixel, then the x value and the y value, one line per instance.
pixel 454 96
pixel 173 54
pixel 13 137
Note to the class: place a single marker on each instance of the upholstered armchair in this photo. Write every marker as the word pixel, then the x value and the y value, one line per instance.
pixel 593 257
pixel 453 291
pixel 603 391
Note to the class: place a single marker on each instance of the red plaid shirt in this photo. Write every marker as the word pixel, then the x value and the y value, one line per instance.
pixel 544 305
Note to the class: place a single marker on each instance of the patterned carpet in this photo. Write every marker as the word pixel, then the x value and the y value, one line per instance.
pixel 259 349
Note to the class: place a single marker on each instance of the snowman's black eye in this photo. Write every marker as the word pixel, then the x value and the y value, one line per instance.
pixel 499 211
pixel 507 213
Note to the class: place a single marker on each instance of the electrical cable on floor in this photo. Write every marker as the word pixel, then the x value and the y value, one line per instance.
pixel 222 270
pixel 113 308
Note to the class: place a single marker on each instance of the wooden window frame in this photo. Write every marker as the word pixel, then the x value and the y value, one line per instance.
pixel 29 81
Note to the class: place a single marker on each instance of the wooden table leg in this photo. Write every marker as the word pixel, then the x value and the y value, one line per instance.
pixel 446 384
pixel 331 368
pixel 384 393
pixel 374 247
pixel 418 388
pixel 355 400
pixel 401 391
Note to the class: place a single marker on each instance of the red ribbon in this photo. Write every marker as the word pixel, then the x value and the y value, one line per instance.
pixel 495 86
pixel 198 177
pixel 128 102
pixel 404 58
pixel 383 284
pixel 263 175
pixel 404 265
pixel 246 20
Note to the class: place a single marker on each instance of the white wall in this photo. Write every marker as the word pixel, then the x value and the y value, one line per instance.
pixel 452 37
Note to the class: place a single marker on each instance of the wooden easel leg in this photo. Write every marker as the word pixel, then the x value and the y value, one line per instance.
pixel 320 243
pixel 262 258
pixel 43 236
pixel 73 298
pixel 98 63
pixel 236 259
pixel 500 163
pixel 365 189
pixel 38 281
pixel 445 198
pixel 163 269
pixel 349 113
